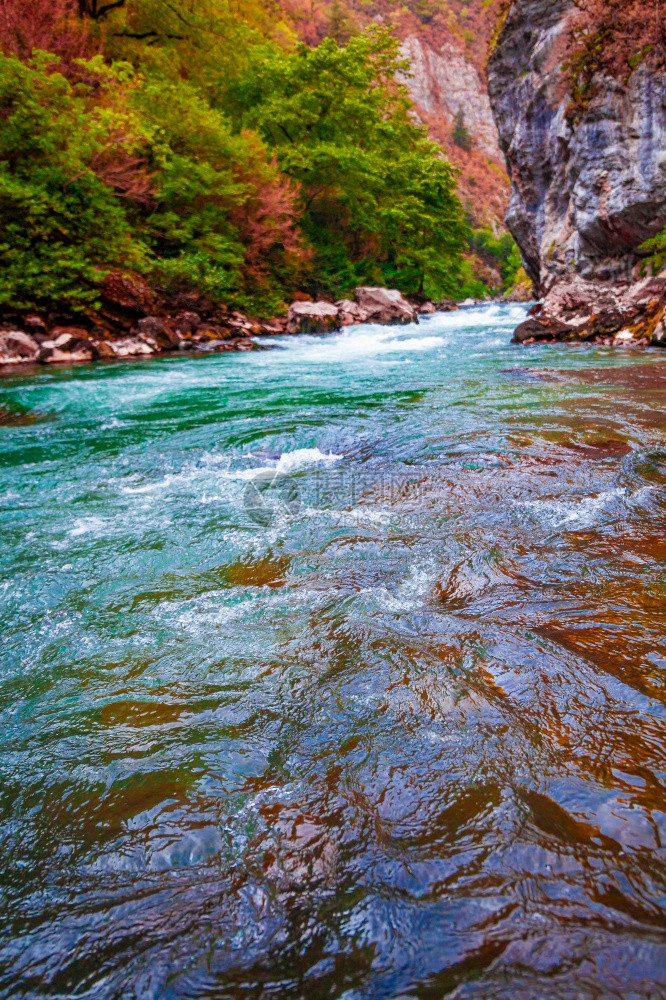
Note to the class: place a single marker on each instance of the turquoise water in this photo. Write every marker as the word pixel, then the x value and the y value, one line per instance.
pixel 336 670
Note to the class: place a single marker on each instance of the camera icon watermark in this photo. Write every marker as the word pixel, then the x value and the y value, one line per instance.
pixel 271 494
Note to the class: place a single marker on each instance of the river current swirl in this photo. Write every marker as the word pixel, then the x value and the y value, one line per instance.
pixel 336 670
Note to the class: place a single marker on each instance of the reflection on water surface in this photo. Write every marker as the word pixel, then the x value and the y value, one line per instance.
pixel 402 736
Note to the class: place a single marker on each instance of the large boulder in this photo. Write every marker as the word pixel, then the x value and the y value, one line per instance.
pixel 312 317
pixel 386 306
pixel 350 313
pixel 17 347
pixel 67 345
pixel 155 330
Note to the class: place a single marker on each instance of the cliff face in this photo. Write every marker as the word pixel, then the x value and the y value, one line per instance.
pixel 588 183
pixel 446 44
pixel 444 82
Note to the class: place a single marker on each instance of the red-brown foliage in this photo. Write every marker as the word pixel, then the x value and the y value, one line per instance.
pixel 123 171
pixel 617 35
pixel 268 221
pixel 50 25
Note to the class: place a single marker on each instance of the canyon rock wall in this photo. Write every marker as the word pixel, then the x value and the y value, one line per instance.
pixel 588 182
pixel 442 81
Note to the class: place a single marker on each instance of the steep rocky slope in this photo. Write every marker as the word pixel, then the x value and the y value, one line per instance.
pixel 446 44
pixel 588 178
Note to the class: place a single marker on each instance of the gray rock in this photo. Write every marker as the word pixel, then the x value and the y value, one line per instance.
pixel 67 345
pixel 386 306
pixel 350 313
pixel 442 81
pixel 312 317
pixel 17 347
pixel 588 184
pixel 579 309
pixel 132 347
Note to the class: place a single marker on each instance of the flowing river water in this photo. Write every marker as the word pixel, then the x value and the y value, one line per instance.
pixel 336 671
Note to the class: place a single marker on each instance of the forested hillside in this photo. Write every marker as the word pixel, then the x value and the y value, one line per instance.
pixel 201 145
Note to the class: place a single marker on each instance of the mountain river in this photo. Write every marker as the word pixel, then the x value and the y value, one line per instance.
pixel 336 670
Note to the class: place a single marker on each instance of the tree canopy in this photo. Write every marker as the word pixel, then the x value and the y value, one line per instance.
pixel 200 145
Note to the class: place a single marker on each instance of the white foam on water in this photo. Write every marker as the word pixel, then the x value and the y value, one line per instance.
pixel 367 515
pixel 216 468
pixel 288 462
pixel 410 592
pixel 582 513
pixel 159 484
pixel 371 340
pixel 360 342
pixel 86 525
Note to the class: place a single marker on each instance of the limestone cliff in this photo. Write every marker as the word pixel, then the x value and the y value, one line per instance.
pixel 443 81
pixel 445 43
pixel 588 179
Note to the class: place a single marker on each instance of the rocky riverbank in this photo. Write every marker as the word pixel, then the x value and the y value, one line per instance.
pixel 132 321
pixel 620 313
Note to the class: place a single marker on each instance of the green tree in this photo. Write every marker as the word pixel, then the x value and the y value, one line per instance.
pixel 461 135
pixel 62 223
pixel 377 197
pixel 137 174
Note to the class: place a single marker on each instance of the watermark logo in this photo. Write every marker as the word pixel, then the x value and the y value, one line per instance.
pixel 270 494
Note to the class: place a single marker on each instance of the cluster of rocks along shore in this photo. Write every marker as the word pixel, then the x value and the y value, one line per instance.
pixel 132 321
pixel 574 309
